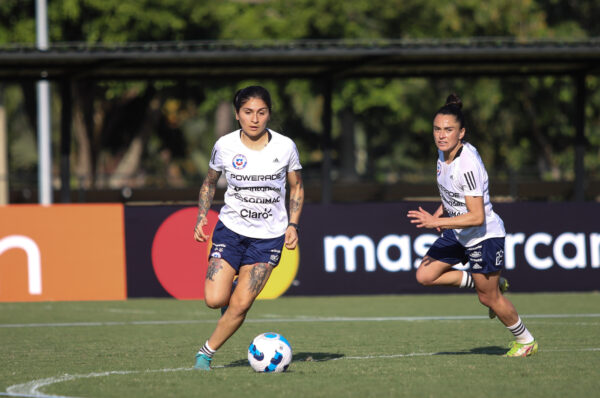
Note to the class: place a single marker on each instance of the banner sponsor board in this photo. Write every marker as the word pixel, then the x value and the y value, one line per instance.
pixel 367 249
pixel 164 260
pixel 374 249
pixel 110 252
pixel 62 252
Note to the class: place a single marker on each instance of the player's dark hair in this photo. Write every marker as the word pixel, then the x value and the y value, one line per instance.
pixel 243 95
pixel 453 106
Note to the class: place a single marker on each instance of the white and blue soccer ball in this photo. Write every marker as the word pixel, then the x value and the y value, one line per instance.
pixel 270 352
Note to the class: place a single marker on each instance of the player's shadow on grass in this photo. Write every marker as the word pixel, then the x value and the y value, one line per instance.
pixel 493 350
pixel 301 356
pixel 316 356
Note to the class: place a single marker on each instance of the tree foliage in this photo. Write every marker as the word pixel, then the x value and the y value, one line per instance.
pixel 160 133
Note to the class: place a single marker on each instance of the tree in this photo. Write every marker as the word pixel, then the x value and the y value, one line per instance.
pixel 150 133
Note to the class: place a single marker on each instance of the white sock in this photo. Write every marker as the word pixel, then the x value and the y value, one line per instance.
pixel 521 333
pixel 206 350
pixel 467 280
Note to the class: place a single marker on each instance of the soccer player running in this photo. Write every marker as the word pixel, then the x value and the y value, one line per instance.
pixel 253 224
pixel 471 229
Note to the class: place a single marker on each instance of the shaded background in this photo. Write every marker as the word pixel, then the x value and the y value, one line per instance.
pixel 149 140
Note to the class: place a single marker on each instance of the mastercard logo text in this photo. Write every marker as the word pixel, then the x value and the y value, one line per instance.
pixel 180 262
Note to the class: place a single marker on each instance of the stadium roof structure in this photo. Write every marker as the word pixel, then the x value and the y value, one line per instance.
pixel 326 60
pixel 301 59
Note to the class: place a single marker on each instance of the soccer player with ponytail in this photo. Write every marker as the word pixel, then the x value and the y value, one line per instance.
pixel 471 230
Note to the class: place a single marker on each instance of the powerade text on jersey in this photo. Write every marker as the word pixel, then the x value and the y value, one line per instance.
pixel 256 180
pixel 466 176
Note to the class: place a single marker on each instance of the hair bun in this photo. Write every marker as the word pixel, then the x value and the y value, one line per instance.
pixel 454 99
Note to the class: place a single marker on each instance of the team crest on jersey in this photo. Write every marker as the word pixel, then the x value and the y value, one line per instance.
pixel 439 168
pixel 239 161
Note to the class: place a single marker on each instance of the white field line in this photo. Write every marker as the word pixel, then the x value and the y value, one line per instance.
pixel 126 311
pixel 564 324
pixel 33 388
pixel 295 319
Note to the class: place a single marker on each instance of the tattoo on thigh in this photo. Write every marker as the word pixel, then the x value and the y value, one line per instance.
pixel 214 266
pixel 258 276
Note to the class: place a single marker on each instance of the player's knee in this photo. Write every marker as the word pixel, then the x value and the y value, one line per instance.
pixel 486 299
pixel 239 308
pixel 214 301
pixel 212 304
pixel 423 278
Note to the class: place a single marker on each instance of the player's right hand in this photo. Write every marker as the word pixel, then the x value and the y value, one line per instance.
pixel 199 234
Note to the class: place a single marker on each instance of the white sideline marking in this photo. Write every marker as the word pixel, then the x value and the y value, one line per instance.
pixel 296 319
pixel 132 311
pixel 560 324
pixel 32 388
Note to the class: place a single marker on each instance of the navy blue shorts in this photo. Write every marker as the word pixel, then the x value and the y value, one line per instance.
pixel 240 250
pixel 485 257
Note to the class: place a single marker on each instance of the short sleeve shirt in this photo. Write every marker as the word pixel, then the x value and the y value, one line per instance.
pixel 466 176
pixel 256 183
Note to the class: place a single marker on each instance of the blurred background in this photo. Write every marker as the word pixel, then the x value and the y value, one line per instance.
pixel 147 137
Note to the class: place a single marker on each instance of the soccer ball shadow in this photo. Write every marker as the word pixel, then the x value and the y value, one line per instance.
pixel 492 350
pixel 298 357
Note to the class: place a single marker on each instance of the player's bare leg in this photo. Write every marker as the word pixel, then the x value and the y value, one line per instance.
pixel 217 286
pixel 217 292
pixel 503 285
pixel 490 296
pixel 251 281
pixel 432 272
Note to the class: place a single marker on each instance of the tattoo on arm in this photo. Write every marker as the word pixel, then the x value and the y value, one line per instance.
pixel 297 194
pixel 258 277
pixel 214 266
pixel 295 205
pixel 207 192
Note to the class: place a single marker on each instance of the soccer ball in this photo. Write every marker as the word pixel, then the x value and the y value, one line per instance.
pixel 270 352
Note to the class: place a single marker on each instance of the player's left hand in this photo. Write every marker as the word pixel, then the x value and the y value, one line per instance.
pixel 291 238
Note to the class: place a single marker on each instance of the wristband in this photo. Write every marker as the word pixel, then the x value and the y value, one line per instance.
pixel 294 225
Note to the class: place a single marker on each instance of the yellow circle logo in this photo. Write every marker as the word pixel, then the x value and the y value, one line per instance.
pixel 283 275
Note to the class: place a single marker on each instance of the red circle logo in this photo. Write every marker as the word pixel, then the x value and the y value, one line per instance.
pixel 179 261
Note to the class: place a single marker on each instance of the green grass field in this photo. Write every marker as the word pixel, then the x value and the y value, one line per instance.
pixel 359 346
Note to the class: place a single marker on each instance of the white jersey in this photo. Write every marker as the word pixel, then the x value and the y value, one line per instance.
pixel 255 196
pixel 466 176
